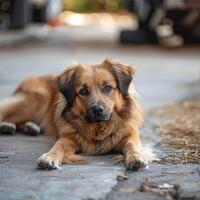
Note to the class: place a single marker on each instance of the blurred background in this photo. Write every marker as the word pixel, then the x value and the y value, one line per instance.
pixel 171 23
pixel 161 37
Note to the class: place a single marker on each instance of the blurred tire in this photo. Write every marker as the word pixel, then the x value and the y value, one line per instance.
pixel 21 14
pixel 4 21
pixel 137 37
pixel 128 5
pixel 48 11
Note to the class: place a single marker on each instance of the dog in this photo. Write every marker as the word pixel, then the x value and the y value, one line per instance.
pixel 91 109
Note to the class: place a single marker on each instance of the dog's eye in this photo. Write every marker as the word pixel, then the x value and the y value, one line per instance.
pixel 84 92
pixel 107 89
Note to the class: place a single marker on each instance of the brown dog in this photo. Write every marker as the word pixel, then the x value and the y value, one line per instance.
pixel 91 109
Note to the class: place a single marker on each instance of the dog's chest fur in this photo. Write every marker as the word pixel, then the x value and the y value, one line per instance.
pixel 89 145
pixel 97 138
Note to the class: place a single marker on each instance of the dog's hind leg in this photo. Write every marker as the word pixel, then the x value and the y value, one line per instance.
pixel 15 110
pixel 8 108
pixel 29 128
pixel 74 159
pixel 12 109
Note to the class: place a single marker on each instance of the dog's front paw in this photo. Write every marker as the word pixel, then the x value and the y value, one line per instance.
pixel 49 161
pixel 134 163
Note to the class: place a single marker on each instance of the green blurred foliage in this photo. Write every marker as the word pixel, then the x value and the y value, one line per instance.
pixel 92 5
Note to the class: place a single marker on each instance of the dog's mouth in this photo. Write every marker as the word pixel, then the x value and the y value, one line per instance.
pixel 91 118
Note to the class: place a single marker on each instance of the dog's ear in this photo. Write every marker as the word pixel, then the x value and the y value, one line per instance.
pixel 65 83
pixel 123 73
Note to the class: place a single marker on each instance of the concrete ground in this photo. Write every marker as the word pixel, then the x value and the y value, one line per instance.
pixel 162 76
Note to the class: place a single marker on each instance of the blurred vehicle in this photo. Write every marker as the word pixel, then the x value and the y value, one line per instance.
pixel 170 22
pixel 17 14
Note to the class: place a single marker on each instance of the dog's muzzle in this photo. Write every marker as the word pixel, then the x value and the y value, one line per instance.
pixel 98 112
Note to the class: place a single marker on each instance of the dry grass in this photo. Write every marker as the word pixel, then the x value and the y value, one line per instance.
pixel 181 131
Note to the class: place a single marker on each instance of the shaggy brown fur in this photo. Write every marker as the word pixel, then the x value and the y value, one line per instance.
pixel 61 105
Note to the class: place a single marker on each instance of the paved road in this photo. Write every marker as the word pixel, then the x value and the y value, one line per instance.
pixel 162 76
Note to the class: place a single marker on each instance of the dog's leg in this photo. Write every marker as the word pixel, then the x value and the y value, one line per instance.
pixel 48 124
pixel 15 109
pixel 73 159
pixel 62 152
pixel 21 108
pixel 8 108
pixel 133 153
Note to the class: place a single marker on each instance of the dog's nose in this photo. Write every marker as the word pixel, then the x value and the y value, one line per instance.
pixel 97 110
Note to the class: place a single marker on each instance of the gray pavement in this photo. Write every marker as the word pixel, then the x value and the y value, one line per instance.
pixel 162 76
pixel 20 179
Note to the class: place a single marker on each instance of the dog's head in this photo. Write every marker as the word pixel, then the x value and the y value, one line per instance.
pixel 96 91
